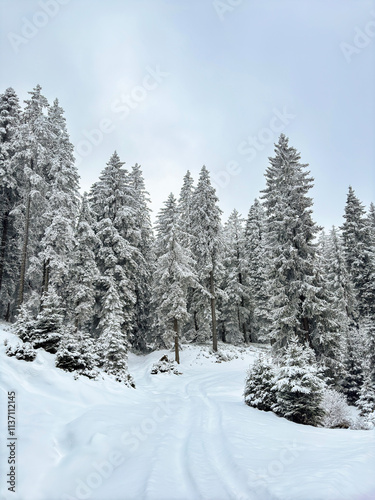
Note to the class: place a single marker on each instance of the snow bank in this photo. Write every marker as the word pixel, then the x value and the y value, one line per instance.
pixel 186 437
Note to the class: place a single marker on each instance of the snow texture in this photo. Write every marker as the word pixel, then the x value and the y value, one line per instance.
pixel 172 438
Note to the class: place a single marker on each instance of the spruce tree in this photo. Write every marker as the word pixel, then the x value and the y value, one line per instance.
pixel 173 274
pixel 47 330
pixel 33 160
pixel 371 223
pixel 207 247
pixel 234 312
pixel 114 256
pixel 339 279
pixel 62 205
pixel 10 118
pixel 256 269
pixel 185 210
pixel 354 366
pixel 366 401
pixel 259 384
pixel 113 343
pixel 299 390
pixel 83 270
pixel 299 303
pixel 359 254
pixel 140 235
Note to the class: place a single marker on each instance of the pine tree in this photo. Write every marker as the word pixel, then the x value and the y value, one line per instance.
pixel 234 311
pixel 329 334
pixel 354 367
pixel 256 270
pixel 76 353
pixel 338 277
pixel 47 328
pixel 299 303
pixel 113 342
pixel 173 274
pixel 371 223
pixel 259 385
pixel 114 256
pixel 185 210
pixel 10 118
pixel 141 238
pixel 32 158
pixel 359 254
pixel 299 390
pixel 62 205
pixel 207 246
pixel 83 271
pixel 366 401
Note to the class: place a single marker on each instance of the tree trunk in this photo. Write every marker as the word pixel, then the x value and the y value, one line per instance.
pixel 7 314
pixel 45 276
pixel 213 312
pixel 176 341
pixel 305 324
pixel 24 251
pixel 4 241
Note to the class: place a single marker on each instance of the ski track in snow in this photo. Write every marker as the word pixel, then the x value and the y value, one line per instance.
pixel 186 437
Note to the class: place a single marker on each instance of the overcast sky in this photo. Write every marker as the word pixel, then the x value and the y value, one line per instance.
pixel 176 84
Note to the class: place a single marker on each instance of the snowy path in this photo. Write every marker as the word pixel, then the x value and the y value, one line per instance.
pixel 175 437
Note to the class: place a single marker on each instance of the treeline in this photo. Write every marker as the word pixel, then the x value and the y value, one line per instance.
pixel 86 278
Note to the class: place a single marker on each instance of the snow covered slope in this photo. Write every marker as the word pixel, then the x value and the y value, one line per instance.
pixel 174 437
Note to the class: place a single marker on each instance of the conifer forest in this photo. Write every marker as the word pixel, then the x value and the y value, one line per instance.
pixel 89 278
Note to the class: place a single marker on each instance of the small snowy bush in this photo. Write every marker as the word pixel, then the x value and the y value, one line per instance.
pixel 223 356
pixel 259 385
pixel 336 410
pixel 75 354
pixel 299 389
pixel 164 365
pixel 23 351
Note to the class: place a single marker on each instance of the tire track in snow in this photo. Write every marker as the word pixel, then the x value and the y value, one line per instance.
pixel 172 450
pixel 212 452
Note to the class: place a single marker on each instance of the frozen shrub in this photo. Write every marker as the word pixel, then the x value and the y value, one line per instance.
pixel 164 365
pixel 23 351
pixel 336 410
pixel 75 354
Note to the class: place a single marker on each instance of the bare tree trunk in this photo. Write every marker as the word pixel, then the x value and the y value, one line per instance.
pixel 4 241
pixel 176 341
pixel 213 312
pixel 24 251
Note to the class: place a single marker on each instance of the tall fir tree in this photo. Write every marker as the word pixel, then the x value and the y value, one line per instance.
pixel 114 256
pixel 207 246
pixel 142 239
pixel 83 270
pixel 173 275
pixel 359 254
pixel 33 159
pixel 62 205
pixel 113 344
pixel 185 210
pixel 234 313
pixel 299 303
pixel 256 270
pixel 10 119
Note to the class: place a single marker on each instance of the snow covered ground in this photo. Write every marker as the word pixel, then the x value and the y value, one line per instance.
pixel 174 437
